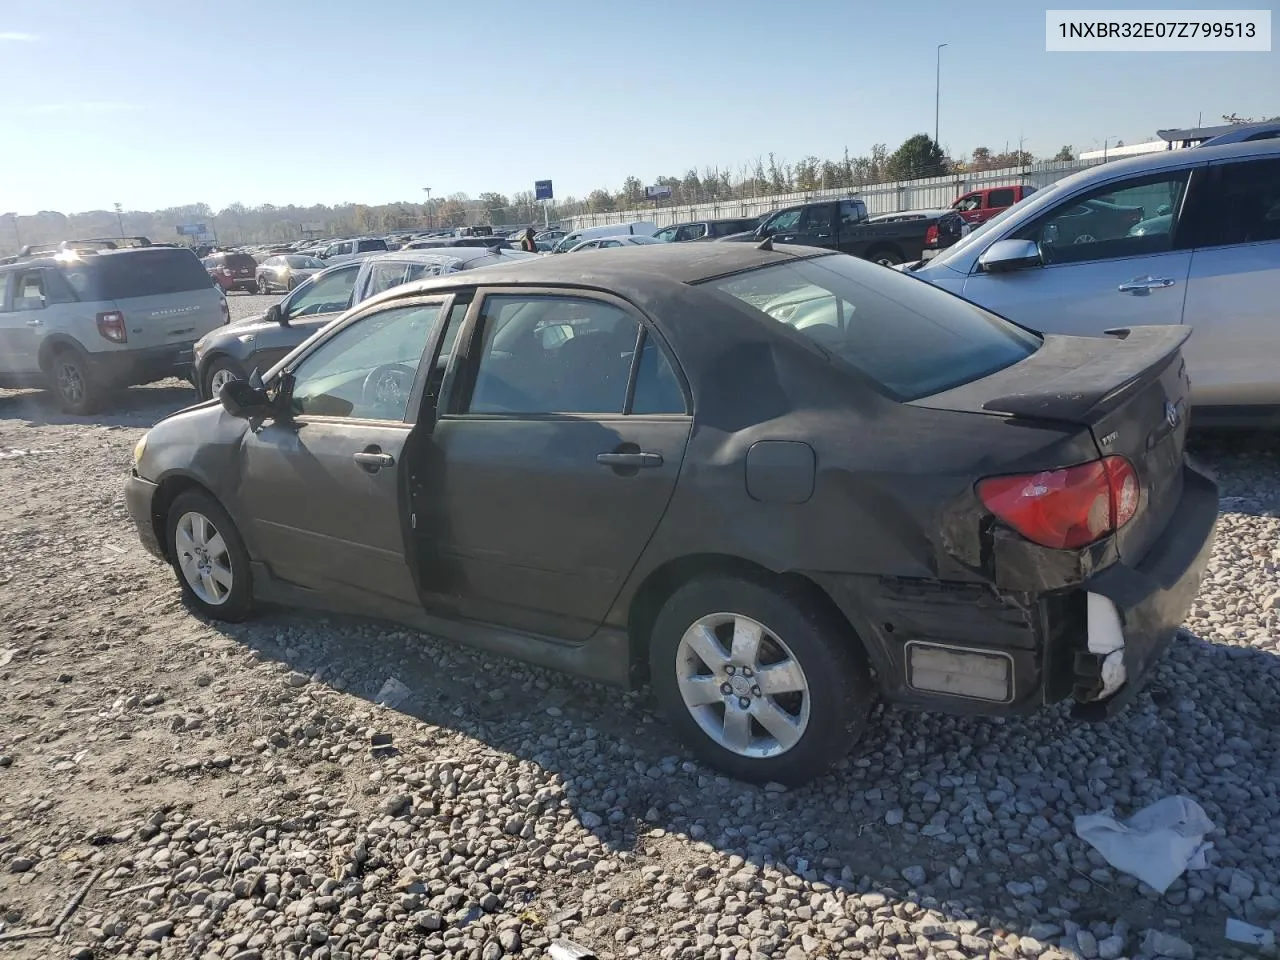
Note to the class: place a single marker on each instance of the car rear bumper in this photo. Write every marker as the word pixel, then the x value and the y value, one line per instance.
pixel 119 368
pixel 138 497
pixel 968 647
pixel 1154 596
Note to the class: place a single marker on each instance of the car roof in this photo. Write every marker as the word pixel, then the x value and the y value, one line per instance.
pixel 1172 160
pixel 646 275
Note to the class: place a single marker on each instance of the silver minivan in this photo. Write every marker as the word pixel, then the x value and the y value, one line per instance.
pixel 81 322
pixel 1184 237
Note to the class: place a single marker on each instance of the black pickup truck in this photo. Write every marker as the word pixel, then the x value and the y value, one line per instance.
pixel 842 225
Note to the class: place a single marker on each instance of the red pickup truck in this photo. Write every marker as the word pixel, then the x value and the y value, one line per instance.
pixel 979 206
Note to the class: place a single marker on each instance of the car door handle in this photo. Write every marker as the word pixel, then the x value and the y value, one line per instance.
pixel 629 459
pixel 35 323
pixel 373 460
pixel 1141 285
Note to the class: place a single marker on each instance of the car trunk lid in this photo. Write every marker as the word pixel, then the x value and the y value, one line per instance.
pixel 1131 392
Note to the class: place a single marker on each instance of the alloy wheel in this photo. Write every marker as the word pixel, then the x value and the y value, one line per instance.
pixel 70 383
pixel 203 558
pixel 221 377
pixel 742 685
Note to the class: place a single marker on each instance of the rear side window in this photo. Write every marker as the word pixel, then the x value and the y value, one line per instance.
pixel 364 246
pixel 1243 205
pixel 140 273
pixel 908 336
pixel 4 289
pixel 1000 198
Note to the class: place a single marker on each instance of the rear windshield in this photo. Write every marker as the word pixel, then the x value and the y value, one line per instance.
pixel 907 335
pixel 139 273
pixel 364 246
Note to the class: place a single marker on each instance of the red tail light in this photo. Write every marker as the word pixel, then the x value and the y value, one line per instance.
pixel 931 235
pixel 226 271
pixel 111 326
pixel 1067 508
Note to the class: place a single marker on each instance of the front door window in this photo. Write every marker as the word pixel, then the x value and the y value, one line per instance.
pixel 367 370
pixel 329 294
pixel 1128 219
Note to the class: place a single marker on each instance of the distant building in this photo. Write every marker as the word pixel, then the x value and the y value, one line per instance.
pixel 1167 140
pixel 1128 150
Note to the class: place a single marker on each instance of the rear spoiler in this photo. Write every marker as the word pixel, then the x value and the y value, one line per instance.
pixel 1076 379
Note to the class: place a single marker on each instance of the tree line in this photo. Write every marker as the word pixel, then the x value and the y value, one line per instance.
pixel 916 158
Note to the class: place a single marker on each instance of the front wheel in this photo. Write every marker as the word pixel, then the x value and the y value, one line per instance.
pixel 221 372
pixel 263 286
pixel 209 557
pixel 757 681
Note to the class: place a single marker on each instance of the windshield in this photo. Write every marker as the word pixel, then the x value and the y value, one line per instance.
pixel 909 336
pixel 958 248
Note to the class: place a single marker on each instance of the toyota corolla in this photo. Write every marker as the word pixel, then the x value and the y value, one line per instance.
pixel 775 483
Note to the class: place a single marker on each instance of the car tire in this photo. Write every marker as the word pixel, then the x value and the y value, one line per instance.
pixel 821 687
pixel 263 287
pixel 219 370
pixel 72 383
pixel 208 557
pixel 886 258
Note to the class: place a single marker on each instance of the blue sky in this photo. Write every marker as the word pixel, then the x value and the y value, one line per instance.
pixel 156 104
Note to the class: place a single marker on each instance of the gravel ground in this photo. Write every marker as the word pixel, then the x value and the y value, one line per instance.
pixel 236 792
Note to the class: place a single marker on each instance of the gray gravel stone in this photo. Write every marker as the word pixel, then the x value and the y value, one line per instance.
pixel 1162 944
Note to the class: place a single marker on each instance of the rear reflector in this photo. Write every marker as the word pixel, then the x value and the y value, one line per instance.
pixel 1068 508
pixel 111 326
pixel 960 671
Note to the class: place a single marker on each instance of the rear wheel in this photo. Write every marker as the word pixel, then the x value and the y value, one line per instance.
pixel 209 557
pixel 758 681
pixel 263 286
pixel 77 393
pixel 886 258
pixel 221 372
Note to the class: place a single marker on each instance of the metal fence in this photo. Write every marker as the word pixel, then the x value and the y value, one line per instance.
pixel 932 193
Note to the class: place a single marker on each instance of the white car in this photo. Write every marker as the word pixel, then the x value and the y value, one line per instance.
pixel 1187 237
pixel 600 243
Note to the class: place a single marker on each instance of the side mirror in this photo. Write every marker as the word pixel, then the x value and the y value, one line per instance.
pixel 276 315
pixel 242 399
pixel 1005 255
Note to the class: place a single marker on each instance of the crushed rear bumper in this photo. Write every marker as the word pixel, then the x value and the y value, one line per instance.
pixel 1153 597
pixel 973 648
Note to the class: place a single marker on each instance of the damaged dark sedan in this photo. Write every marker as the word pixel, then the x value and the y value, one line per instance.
pixel 774 483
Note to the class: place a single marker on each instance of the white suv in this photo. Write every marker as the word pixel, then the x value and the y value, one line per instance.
pixel 1184 237
pixel 83 321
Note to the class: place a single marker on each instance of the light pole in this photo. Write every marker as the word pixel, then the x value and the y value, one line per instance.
pixel 937 93
pixel 16 235
pixel 1104 147
pixel 120 220
pixel 429 217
